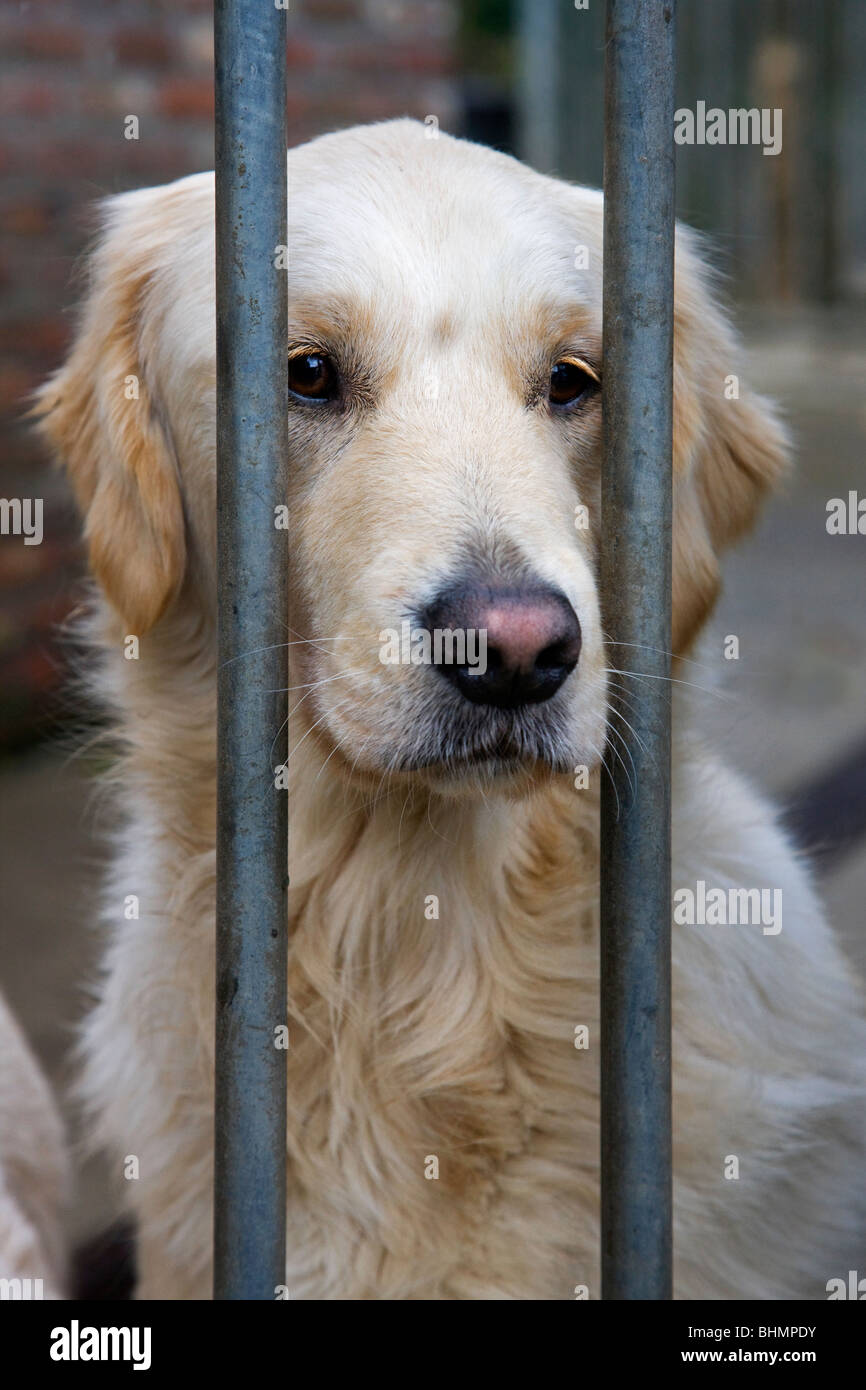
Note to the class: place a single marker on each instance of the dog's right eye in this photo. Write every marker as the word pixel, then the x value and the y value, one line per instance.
pixel 570 380
pixel 313 377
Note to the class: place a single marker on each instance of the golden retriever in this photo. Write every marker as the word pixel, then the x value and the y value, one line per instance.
pixel 444 410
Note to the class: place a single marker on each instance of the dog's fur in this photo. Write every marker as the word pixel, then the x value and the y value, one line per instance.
pixel 35 1171
pixel 441 276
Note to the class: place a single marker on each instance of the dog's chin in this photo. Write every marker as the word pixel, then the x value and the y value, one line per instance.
pixel 469 772
pixel 483 754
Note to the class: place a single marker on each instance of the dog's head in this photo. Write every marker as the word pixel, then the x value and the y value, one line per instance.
pixel 444 398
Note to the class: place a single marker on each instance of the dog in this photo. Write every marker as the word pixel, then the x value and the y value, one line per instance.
pixel 444 400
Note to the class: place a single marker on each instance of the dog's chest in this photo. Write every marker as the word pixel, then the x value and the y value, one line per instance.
pixel 442 1081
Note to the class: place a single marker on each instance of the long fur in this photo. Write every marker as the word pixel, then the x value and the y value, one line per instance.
pixel 449 1038
pixel 35 1172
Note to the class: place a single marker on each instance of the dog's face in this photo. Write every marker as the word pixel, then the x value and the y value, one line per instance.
pixel 444 414
pixel 444 397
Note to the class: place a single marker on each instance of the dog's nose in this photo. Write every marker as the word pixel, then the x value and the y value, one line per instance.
pixel 530 636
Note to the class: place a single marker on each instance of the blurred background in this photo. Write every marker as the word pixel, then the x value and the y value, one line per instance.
pixel 788 232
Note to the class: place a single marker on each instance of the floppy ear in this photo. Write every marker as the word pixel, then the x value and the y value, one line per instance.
pixel 100 415
pixel 729 448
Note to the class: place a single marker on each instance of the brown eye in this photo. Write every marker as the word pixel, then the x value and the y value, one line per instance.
pixel 312 376
pixel 569 380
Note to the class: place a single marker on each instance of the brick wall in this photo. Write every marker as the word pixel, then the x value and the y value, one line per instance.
pixel 70 74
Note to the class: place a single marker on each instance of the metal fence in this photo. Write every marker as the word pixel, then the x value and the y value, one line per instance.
pixel 252 815
pixel 636 597
pixel 252 838
pixel 798 225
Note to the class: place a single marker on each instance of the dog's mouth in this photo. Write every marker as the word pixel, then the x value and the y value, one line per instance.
pixel 504 752
pixel 490 765
pixel 452 759
pixel 426 730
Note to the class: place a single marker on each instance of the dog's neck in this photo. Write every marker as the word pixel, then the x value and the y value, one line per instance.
pixel 426 850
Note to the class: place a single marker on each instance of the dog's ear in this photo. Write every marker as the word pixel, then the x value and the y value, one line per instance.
pixel 101 416
pixel 729 448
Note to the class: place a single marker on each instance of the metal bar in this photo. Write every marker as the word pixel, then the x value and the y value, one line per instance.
pixel 538 83
pixel 252 830
pixel 636 585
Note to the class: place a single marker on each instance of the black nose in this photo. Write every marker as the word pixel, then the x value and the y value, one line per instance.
pixel 531 634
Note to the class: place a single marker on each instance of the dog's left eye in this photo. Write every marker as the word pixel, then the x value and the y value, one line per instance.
pixel 313 376
pixel 569 380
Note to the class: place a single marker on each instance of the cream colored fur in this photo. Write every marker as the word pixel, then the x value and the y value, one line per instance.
pixel 35 1174
pixel 441 275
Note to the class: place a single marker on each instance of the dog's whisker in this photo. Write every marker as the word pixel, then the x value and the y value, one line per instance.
pixel 347 784
pixel 379 786
pixel 616 753
pixel 624 696
pixel 341 705
pixel 325 763
pixel 311 685
pixel 602 763
pixel 309 641
pixel 274 647
pixel 662 651
pixel 617 713
pixel 402 814
pixel 436 832
pixel 671 680
pixel 611 728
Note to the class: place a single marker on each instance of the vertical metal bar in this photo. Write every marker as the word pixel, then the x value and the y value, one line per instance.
pixel 538 83
pixel 825 142
pixel 252 832
pixel 636 585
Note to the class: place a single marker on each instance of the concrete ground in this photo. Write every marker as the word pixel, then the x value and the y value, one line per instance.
pixel 795 700
pixel 791 705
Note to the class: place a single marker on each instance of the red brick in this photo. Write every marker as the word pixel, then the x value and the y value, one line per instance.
pixel 187 98
pixel 336 11
pixel 143 48
pixel 393 58
pixel 46 41
pixel 300 54
pixel 32 97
